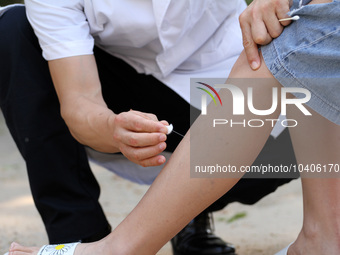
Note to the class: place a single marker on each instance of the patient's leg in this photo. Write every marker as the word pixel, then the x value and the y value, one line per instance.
pixel 175 198
pixel 316 142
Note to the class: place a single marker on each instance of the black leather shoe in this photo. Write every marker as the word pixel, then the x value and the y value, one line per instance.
pixel 198 238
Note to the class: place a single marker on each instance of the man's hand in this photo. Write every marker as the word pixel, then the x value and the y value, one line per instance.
pixel 139 136
pixel 260 24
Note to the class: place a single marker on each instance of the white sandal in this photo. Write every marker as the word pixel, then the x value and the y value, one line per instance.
pixel 284 251
pixel 59 249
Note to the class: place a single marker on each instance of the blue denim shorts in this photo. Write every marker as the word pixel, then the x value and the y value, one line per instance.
pixel 307 55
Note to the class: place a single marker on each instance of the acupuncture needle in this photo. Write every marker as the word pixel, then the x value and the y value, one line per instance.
pixel 290 18
pixel 177 133
pixel 171 129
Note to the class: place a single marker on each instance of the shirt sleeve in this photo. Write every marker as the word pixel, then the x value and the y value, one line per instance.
pixel 61 27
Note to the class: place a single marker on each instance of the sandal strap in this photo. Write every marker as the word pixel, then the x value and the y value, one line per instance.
pixel 58 249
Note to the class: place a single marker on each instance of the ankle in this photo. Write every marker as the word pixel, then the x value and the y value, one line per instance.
pixel 109 247
pixel 100 247
pixel 113 245
pixel 324 230
pixel 315 240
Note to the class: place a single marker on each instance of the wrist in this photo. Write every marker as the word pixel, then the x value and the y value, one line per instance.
pixel 90 124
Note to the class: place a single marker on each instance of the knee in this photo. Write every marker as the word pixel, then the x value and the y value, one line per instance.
pixel 242 69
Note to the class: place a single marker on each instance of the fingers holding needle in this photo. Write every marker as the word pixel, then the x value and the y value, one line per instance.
pixel 171 130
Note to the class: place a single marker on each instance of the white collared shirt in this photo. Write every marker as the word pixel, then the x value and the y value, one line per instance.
pixel 172 40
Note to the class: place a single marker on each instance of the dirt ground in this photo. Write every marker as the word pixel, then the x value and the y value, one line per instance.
pixel 261 229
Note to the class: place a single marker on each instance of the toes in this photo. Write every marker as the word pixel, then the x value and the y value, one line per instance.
pixel 19 253
pixel 17 249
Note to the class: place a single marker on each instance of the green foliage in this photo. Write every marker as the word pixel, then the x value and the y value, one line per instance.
pixel 249 1
pixel 7 2
pixel 237 216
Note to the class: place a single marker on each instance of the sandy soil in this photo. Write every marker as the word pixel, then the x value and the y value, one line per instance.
pixel 264 228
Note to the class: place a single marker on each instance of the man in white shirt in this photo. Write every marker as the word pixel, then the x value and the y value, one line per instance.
pixel 106 58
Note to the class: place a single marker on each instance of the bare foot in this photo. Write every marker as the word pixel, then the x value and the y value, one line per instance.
pixel 17 249
pixel 81 249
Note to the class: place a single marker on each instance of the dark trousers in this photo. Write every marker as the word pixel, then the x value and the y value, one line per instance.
pixel 64 189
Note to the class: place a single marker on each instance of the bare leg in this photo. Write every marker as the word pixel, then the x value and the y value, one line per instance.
pixel 175 198
pixel 317 141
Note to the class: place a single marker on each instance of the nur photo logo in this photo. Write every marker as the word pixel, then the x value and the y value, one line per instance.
pixel 204 97
pixel 240 100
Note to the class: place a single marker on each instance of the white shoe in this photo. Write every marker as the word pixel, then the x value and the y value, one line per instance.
pixel 60 249
pixel 284 251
